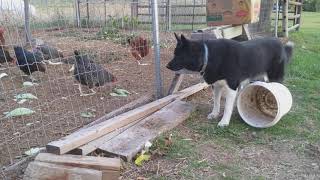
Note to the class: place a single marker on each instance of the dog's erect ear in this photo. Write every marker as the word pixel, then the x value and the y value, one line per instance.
pixel 184 40
pixel 177 37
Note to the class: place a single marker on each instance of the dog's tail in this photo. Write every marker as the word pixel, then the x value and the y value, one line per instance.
pixel 288 48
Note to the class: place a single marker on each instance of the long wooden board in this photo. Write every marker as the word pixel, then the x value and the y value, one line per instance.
pixel 86 135
pixel 93 145
pixel 134 104
pixel 232 32
pixel 91 162
pixel 131 141
pixel 110 167
pixel 46 171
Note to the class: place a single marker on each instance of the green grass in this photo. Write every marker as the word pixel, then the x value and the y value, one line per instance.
pixel 301 125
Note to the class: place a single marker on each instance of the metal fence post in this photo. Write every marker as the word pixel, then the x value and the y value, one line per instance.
pixel 156 43
pixel 27 21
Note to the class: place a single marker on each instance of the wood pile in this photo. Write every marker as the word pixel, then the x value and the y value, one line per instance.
pixel 121 134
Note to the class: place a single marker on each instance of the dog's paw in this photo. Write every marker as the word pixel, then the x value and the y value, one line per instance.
pixel 223 124
pixel 213 115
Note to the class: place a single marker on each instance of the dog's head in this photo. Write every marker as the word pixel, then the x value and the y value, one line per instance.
pixel 187 55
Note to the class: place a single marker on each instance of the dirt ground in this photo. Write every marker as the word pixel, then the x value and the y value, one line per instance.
pixel 58 107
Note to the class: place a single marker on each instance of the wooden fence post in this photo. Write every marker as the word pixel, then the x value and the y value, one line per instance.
pixel 285 7
pixel 299 11
pixel 168 15
pixel 77 5
pixel 27 21
pixel 88 13
pixel 134 9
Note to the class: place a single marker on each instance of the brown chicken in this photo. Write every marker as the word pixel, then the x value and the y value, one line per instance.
pixel 4 52
pixel 2 40
pixel 140 48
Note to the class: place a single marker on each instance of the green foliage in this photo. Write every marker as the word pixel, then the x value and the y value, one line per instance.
pixel 311 5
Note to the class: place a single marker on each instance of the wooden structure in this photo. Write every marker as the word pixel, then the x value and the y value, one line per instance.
pixel 117 134
pixel 168 14
pixel 291 11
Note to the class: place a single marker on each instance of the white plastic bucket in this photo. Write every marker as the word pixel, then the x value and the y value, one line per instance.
pixel 263 104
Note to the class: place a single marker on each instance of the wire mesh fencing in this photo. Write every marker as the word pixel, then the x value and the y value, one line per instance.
pixel 45 105
pixel 96 56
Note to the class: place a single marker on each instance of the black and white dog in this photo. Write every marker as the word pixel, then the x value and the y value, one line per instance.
pixel 227 63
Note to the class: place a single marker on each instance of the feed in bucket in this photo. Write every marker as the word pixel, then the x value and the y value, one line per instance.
pixel 263 104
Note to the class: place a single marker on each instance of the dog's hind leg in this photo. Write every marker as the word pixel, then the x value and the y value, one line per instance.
pixel 276 73
pixel 217 92
pixel 230 99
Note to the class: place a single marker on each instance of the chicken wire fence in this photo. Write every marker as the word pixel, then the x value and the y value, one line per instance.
pixel 114 39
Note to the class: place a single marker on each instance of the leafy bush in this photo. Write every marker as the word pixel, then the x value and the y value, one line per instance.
pixel 311 5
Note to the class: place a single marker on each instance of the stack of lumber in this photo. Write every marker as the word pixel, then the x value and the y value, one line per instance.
pixel 91 138
pixel 72 167
pixel 118 133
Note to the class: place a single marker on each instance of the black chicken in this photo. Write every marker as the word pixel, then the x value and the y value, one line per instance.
pixel 28 62
pixel 88 73
pixel 49 52
pixel 5 56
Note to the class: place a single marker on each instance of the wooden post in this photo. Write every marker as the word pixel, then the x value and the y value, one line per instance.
pixel 88 13
pixel 168 15
pixel 285 7
pixel 276 19
pixel 175 84
pixel 105 12
pixel 134 9
pixel 77 5
pixel 299 11
pixel 194 3
pixel 27 21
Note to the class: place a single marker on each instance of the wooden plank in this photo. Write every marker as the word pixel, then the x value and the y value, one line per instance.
pixel 130 142
pixel 173 22
pixel 293 27
pixel 173 6
pixel 246 31
pixel 295 3
pixel 86 135
pixel 217 33
pixel 91 162
pixel 46 171
pixel 232 32
pixel 132 105
pixel 175 84
pixel 174 15
pixel 290 17
pixel 93 145
pixel 202 36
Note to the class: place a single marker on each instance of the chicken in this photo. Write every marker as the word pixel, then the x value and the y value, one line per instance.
pixel 88 73
pixel 140 48
pixel 2 40
pixel 4 52
pixel 29 62
pixel 5 56
pixel 49 52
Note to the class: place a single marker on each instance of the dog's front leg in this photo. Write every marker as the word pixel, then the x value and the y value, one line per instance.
pixel 217 92
pixel 230 99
